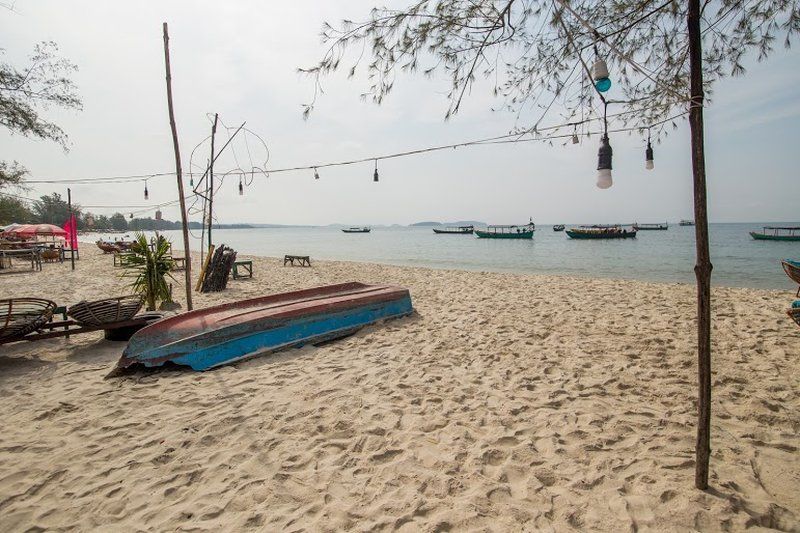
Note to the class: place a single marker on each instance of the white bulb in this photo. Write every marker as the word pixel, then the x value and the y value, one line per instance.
pixel 604 178
pixel 649 164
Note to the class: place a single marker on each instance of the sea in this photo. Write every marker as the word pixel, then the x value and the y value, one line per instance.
pixel 660 256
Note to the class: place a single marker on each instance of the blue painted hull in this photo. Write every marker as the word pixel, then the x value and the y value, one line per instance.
pixel 225 334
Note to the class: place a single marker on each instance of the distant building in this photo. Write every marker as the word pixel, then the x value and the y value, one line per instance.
pixel 158 215
pixel 89 220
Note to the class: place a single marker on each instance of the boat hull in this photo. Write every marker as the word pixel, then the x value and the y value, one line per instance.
pixel 219 335
pixel 447 232
pixel 598 235
pixel 356 230
pixel 765 237
pixel 491 235
pixel 650 228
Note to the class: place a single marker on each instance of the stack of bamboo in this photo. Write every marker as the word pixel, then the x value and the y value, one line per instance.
pixel 219 262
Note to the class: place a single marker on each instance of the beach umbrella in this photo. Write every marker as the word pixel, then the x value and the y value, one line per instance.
pixel 32 230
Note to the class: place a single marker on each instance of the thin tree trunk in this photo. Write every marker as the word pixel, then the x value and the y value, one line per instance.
pixel 187 253
pixel 703 266
pixel 211 179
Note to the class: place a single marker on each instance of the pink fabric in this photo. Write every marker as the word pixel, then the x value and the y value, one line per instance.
pixel 71 229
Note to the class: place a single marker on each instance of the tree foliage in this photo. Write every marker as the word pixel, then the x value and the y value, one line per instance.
pixel 535 53
pixel 26 92
pixel 53 209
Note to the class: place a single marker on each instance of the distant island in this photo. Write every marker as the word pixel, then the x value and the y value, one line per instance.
pixel 457 223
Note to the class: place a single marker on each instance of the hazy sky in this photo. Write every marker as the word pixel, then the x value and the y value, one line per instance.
pixel 239 58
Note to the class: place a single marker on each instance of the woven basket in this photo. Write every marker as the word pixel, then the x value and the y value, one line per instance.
pixel 795 314
pixel 20 316
pixel 108 311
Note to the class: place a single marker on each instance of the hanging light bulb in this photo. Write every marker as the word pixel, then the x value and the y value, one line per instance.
pixel 241 188
pixel 604 164
pixel 146 194
pixel 375 175
pixel 575 139
pixel 191 181
pixel 600 75
pixel 131 215
pixel 648 154
pixel 316 174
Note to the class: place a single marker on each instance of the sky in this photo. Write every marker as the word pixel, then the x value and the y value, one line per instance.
pixel 240 59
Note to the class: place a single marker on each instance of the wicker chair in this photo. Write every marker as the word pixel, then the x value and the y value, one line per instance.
pixel 20 316
pixel 108 311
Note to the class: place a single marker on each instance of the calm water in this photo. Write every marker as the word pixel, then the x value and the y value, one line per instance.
pixel 739 261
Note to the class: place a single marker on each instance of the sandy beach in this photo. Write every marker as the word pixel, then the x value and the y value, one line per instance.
pixel 507 403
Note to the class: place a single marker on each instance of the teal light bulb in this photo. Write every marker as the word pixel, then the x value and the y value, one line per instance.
pixel 603 84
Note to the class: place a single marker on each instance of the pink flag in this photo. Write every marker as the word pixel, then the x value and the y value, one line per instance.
pixel 71 227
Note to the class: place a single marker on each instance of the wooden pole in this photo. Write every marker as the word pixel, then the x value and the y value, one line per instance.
pixel 187 253
pixel 211 179
pixel 703 265
pixel 72 231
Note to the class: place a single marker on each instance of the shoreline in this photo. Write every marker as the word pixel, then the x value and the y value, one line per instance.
pixel 508 402
pixel 510 270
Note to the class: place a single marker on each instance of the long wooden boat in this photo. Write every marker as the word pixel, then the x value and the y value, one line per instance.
pixel 457 230
pixel 601 232
pixel 357 230
pixel 777 233
pixel 686 222
pixel 651 227
pixel 559 227
pixel 507 232
pixel 207 338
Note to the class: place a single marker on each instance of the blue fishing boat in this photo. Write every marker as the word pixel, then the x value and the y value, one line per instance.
pixel 207 338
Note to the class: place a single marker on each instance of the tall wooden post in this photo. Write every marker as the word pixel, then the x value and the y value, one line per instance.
pixel 703 265
pixel 211 179
pixel 72 231
pixel 187 253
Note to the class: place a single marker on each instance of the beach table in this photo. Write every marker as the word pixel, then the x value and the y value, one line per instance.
pixel 33 254
pixel 303 260
pixel 121 258
pixel 179 263
pixel 246 266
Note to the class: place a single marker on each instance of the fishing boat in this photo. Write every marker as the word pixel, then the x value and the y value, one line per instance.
pixel 507 232
pixel 455 230
pixel 207 338
pixel 559 227
pixel 357 229
pixel 598 231
pixel 777 233
pixel 685 222
pixel 650 227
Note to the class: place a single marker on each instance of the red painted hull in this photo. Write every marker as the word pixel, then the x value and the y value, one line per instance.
pixel 189 338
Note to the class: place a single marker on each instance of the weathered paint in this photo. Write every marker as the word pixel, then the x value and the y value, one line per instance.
pixel 207 338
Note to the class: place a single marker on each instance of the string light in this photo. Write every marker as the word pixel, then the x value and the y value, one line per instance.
pixel 648 153
pixel 375 175
pixel 600 74
pixel 316 174
pixel 191 180
pixel 146 194
pixel 241 188
pixel 604 180
pixel 575 139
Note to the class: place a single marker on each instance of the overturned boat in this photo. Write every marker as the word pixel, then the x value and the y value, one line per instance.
pixel 207 338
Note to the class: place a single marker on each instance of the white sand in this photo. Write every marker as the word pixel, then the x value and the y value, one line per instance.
pixel 509 403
